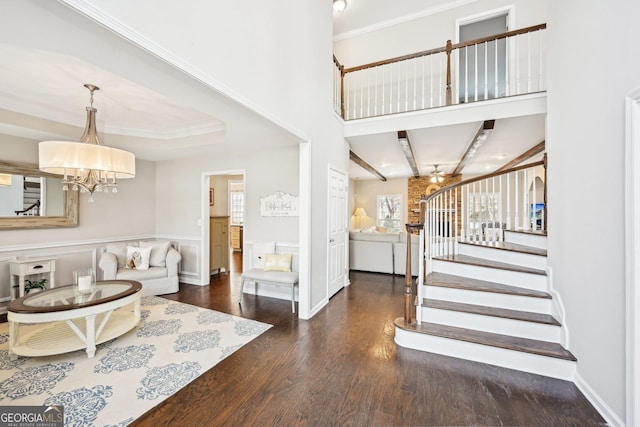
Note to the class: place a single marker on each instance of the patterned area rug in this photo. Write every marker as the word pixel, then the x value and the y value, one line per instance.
pixel 174 344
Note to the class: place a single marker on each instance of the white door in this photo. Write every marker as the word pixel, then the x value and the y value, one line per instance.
pixel 337 218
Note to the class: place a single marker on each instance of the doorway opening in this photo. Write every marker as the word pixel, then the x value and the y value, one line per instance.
pixel 482 69
pixel 218 256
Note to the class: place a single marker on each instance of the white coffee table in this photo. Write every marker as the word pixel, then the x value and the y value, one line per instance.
pixel 66 321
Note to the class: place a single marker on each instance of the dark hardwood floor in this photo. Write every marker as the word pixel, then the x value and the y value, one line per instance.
pixel 342 368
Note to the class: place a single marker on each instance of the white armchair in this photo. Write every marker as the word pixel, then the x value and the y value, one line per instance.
pixel 161 276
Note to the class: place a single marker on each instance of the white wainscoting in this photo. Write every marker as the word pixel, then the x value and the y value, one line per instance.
pixel 75 255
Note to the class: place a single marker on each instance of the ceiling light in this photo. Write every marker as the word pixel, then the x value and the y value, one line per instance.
pixel 436 175
pixel 339 5
pixel 87 164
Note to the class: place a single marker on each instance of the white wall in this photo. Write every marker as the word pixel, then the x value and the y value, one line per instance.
pixel 593 64
pixel 273 56
pixel 365 196
pixel 429 32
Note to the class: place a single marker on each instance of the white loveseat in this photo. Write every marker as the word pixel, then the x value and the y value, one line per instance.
pixel 161 277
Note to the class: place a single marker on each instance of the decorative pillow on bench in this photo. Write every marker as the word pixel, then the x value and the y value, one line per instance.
pixel 275 262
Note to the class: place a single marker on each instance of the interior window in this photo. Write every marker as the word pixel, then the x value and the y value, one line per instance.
pixel 389 213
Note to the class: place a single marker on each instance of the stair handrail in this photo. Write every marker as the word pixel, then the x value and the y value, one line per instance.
pixel 35 207
pixel 436 210
pixel 445 77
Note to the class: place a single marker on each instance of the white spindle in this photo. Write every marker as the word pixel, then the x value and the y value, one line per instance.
pixel 486 72
pixel 475 73
pixel 455 204
pixel 424 58
pixel 496 87
pixel 516 213
pixel 501 207
pixel 540 84
pixel 466 74
pixel 528 62
pixel 507 77
pixel 431 81
pixel 369 71
pixel 361 93
pixel 415 82
pixel 518 78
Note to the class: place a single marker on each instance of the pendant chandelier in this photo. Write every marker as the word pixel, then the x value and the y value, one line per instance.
pixel 87 165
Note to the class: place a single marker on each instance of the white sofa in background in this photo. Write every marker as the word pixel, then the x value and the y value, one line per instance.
pixel 160 278
pixel 400 255
pixel 381 252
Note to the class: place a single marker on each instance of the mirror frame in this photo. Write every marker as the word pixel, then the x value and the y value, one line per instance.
pixel 70 218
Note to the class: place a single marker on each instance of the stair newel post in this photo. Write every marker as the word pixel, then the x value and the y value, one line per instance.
pixel 408 294
pixel 449 49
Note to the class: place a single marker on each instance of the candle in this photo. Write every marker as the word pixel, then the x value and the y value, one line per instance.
pixel 84 284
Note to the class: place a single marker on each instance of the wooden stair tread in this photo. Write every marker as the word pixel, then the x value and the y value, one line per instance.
pixel 469 260
pixel 457 282
pixel 524 316
pixel 508 246
pixel 525 345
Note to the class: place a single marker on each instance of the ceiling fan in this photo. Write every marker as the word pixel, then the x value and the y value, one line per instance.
pixel 436 175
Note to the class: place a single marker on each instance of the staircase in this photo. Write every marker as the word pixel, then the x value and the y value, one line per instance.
pixel 488 303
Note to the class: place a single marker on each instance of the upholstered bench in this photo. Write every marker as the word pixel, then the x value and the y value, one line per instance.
pixel 270 269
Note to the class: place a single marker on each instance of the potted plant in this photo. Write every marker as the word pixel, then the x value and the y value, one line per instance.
pixel 34 285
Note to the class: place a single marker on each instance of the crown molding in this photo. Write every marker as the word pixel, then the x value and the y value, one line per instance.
pixel 400 20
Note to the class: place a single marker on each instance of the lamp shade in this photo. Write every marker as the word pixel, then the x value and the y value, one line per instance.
pixel 65 157
pixel 359 212
pixel 5 179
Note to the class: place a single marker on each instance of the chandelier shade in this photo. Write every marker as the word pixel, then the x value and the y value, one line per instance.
pixel 87 165
pixel 69 158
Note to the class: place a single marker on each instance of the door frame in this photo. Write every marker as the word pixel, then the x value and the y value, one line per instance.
pixel 331 168
pixel 205 271
pixel 632 251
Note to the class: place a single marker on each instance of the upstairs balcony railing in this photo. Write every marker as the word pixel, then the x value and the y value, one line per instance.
pixel 477 210
pixel 506 64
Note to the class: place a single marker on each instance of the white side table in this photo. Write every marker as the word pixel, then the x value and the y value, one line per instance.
pixel 21 268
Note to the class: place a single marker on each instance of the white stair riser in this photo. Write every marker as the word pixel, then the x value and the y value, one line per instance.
pixel 536 364
pixel 534 240
pixel 489 299
pixel 510 257
pixel 496 325
pixel 505 277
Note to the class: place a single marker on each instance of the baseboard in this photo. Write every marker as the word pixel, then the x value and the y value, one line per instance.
pixel 601 406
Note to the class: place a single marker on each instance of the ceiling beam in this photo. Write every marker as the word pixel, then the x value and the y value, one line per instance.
pixel 405 145
pixel 479 139
pixel 539 148
pixel 366 166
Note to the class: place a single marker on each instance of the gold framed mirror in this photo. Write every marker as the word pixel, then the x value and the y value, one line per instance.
pixel 66 215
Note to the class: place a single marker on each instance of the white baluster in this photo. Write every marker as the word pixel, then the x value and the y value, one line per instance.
pixel 475 69
pixel 486 72
pixel 496 88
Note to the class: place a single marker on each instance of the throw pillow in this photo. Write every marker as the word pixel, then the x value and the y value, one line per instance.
pixel 120 251
pixel 159 251
pixel 275 262
pixel 138 258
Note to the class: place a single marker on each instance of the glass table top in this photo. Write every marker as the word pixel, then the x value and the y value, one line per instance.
pixel 68 297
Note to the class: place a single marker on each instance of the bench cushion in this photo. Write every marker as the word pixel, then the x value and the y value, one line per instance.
pixel 275 277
